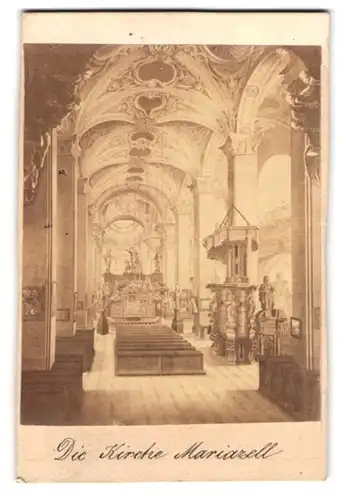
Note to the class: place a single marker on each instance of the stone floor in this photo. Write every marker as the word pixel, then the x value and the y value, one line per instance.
pixel 225 394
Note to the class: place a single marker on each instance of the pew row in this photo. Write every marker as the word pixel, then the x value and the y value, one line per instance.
pixel 154 350
pixel 54 397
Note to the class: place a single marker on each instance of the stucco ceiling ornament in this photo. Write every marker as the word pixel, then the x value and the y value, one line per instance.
pixel 239 143
pixel 123 82
pixel 162 50
pixel 76 150
pixel 261 127
pixel 304 99
pixel 230 67
pixel 137 162
pixel 34 160
pixel 151 103
pixel 144 124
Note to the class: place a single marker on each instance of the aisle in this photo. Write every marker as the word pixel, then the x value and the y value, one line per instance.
pixel 226 394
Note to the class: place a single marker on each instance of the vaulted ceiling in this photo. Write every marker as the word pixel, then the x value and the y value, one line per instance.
pixel 151 117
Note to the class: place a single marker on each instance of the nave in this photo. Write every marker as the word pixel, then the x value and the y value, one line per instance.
pixel 175 185
pixel 226 394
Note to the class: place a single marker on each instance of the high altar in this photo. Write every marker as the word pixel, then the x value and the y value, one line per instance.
pixel 134 295
pixel 232 310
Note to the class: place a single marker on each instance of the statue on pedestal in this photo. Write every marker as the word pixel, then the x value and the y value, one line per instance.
pixel 108 260
pixel 177 323
pixel 266 296
pixel 134 262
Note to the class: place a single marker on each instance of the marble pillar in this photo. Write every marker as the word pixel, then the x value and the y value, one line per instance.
pixel 82 281
pixel 66 240
pixel 39 268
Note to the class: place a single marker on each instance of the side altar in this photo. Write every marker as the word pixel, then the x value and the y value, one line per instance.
pixel 232 310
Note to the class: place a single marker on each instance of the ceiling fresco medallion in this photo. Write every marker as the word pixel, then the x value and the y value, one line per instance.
pixel 139 152
pixel 135 170
pixel 156 71
pixel 136 136
pixel 150 103
pixel 134 178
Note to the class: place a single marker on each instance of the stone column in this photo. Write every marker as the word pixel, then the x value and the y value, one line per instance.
pixel 170 257
pixel 317 256
pixel 91 256
pixel 241 153
pixel 96 236
pixel 39 264
pixel 185 230
pixel 66 239
pixel 298 242
pixel 81 312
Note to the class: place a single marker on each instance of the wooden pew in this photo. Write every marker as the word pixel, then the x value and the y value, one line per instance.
pixel 154 350
pixel 149 362
pixel 52 397
pixel 76 345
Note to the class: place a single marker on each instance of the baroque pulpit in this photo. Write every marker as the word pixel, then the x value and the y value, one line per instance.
pixel 232 311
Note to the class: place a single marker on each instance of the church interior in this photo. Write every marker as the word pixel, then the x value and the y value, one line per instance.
pixel 171 235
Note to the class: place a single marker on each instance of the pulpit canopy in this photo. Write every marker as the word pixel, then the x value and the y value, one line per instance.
pixel 228 235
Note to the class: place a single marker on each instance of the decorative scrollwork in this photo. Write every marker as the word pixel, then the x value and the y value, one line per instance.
pixel 54 76
pixel 34 158
pixel 304 98
pixel 33 303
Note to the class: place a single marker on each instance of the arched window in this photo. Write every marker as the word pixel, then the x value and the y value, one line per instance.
pixel 274 206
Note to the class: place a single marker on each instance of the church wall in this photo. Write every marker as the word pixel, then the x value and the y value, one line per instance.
pixel 66 245
pixel 39 272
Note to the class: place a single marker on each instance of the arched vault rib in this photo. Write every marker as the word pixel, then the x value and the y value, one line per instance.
pixel 178 144
pixel 192 86
pixel 124 106
pixel 160 182
pixel 123 217
pixel 161 202
pixel 265 77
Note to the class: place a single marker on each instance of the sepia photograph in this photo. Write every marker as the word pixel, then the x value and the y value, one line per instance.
pixel 166 186
pixel 172 247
